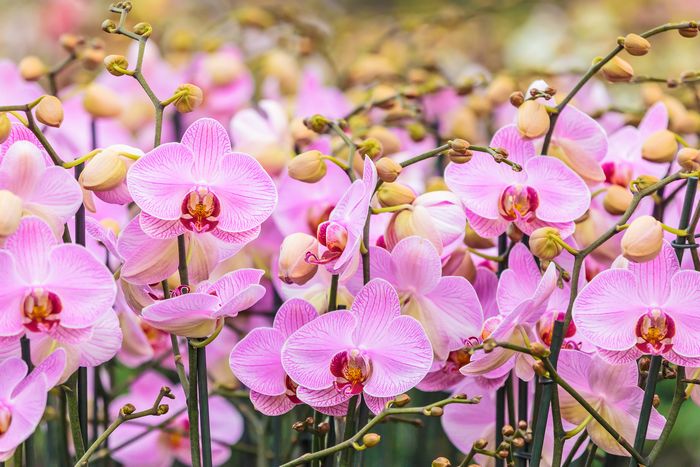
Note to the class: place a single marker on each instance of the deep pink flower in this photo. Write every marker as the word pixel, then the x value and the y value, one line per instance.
pixel 370 349
pixel 200 186
pixel 545 193
pixel 197 314
pixel 645 308
pixel 161 448
pixel 51 288
pixel 612 390
pixel 23 398
pixel 341 234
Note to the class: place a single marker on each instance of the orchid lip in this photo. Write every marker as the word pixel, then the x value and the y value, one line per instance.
pixel 351 370
pixel 5 418
pixel 200 210
pixel 655 330
pixel 291 391
pixel 41 310
pixel 518 202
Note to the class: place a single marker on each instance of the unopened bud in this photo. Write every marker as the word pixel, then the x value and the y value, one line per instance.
pixel 31 68
pixel 128 409
pixel 101 102
pixel 660 146
pixel 190 99
pixel 371 439
pixel 436 411
pixel 503 453
pixel 70 42
pixel 293 268
pixel 5 127
pixel 370 147
pixel 514 233
pixel 402 400
pixel 458 157
pixel 459 145
pixel 163 409
pixel 301 135
pixel 644 181
pixel 143 29
pixel 109 26
pixel 388 170
pixel 460 263
pixel 539 368
pixel 518 442
pixel 92 57
pixel 106 171
pixel 116 64
pixel 656 401
pixel 299 426
pixel 308 167
pixel 642 240
pixel 507 430
pixel 389 140
pixel 49 111
pixel 545 243
pixel 416 131
pixel 688 158
pixel 441 462
pixel 618 70
pixel 617 200
pixel 689 32
pixel 533 119
pixel 11 209
pixel 395 194
pixel 517 99
pixel 522 425
pixel 476 241
pixel 317 123
pixel 644 364
pixel 323 428
pixel 499 90
pixel 539 350
pixel 488 345
pixel 636 45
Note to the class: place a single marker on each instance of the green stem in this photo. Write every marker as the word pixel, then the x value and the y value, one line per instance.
pixel 346 456
pixel 71 393
pixel 351 149
pixel 193 407
pixel 202 382
pixel 679 397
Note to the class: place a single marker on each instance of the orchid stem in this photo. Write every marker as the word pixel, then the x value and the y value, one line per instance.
pixel 71 393
pixel 202 382
pixel 193 407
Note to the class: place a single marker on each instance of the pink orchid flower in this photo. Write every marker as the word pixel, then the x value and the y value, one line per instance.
pixel 45 190
pixel 23 398
pixel 612 390
pixel 341 234
pixel 447 307
pixel 52 288
pixel 545 193
pixel 522 297
pixel 272 391
pixel 201 186
pixel 16 90
pixel 315 98
pixel 645 308
pixel 197 314
pixel 162 448
pixel 370 349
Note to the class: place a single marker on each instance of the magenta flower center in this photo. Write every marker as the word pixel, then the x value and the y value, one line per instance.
pixel 546 329
pixel 178 433
pixel 351 370
pixel 617 173
pixel 291 391
pixel 518 202
pixel 334 237
pixel 655 330
pixel 5 418
pixel 200 210
pixel 41 310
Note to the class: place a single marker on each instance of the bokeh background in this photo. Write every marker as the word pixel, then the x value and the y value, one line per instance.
pixel 467 40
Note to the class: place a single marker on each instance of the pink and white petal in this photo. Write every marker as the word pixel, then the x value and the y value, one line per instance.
pixel 683 307
pixel 235 282
pixel 227 426
pixel 457 309
pixel 417 264
pixel 30 246
pixel 246 192
pixel 244 300
pixel 13 371
pixel 118 195
pixel 160 228
pixel 375 306
pixel 27 410
pixel 339 410
pixel 607 309
pixel 485 286
pixel 382 265
pixel 272 406
pixel 587 135
pixel 204 252
pixel 293 314
pixel 208 141
pixel 654 120
pixel 84 285
pixel 307 354
pixel 575 367
pixel 480 183
pixel 256 361
pixel 527 227
pixel 487 228
pixel 486 363
pixel 103 344
pixel 21 168
pixel 563 195
pixel 519 281
pixel 236 239
pixel 520 149
pixel 620 357
pixel 377 404
pixel 146 260
pixel 51 368
pixel 159 181
pixel 655 277
pixel 188 315
pixel 624 423
pixel 400 358
pixel 58 192
pixel 327 397
pixel 102 234
pixel 12 294
pixel 70 335
pixel 19 132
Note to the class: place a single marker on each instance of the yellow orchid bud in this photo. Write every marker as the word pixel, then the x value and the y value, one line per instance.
pixel 395 194
pixel 533 119
pixel 31 68
pixel 102 102
pixel 618 70
pixel 104 172
pixel 293 268
pixel 388 170
pixel 191 99
pixel 660 146
pixel 636 45
pixel 5 127
pixel 545 243
pixel 116 64
pixel 617 200
pixel 49 111
pixel 308 167
pixel 642 240
pixel 688 158
pixel 389 140
pixel 11 208
pixel 371 439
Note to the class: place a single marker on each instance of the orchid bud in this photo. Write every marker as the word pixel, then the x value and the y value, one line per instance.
pixel 416 131
pixel 688 158
pixel 660 146
pixel 636 45
pixel 436 412
pixel 128 409
pixel 406 223
pixel 395 194
pixel 689 32
pixel 389 140
pixel 539 368
pixel 116 64
pixel 474 240
pixel 618 70
pixel 31 68
pixel 191 99
pixel 617 200
pixel 539 350
pixel 301 135
pixel 517 99
pixel 370 147
pixel 533 119
pixel 459 158
pixel 5 127
pixel 642 240
pixel 441 462
pixel 308 167
pixel 460 263
pixel 507 430
pixel 371 439
pixel 481 443
pixel 92 57
pixel 317 123
pixel 106 171
pixel 545 243
pixel 500 89
pixel 70 42
pixel 143 29
pixel 402 400
pixel 514 233
pixel 49 111
pixel 463 124
pixel 11 208
pixel 102 102
pixel 388 170
pixel 221 69
pixel 293 268
pixel 644 181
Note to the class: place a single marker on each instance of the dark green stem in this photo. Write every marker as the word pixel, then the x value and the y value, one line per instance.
pixel 202 381
pixel 193 407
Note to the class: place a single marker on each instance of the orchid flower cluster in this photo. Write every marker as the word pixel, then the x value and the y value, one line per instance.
pixel 221 257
